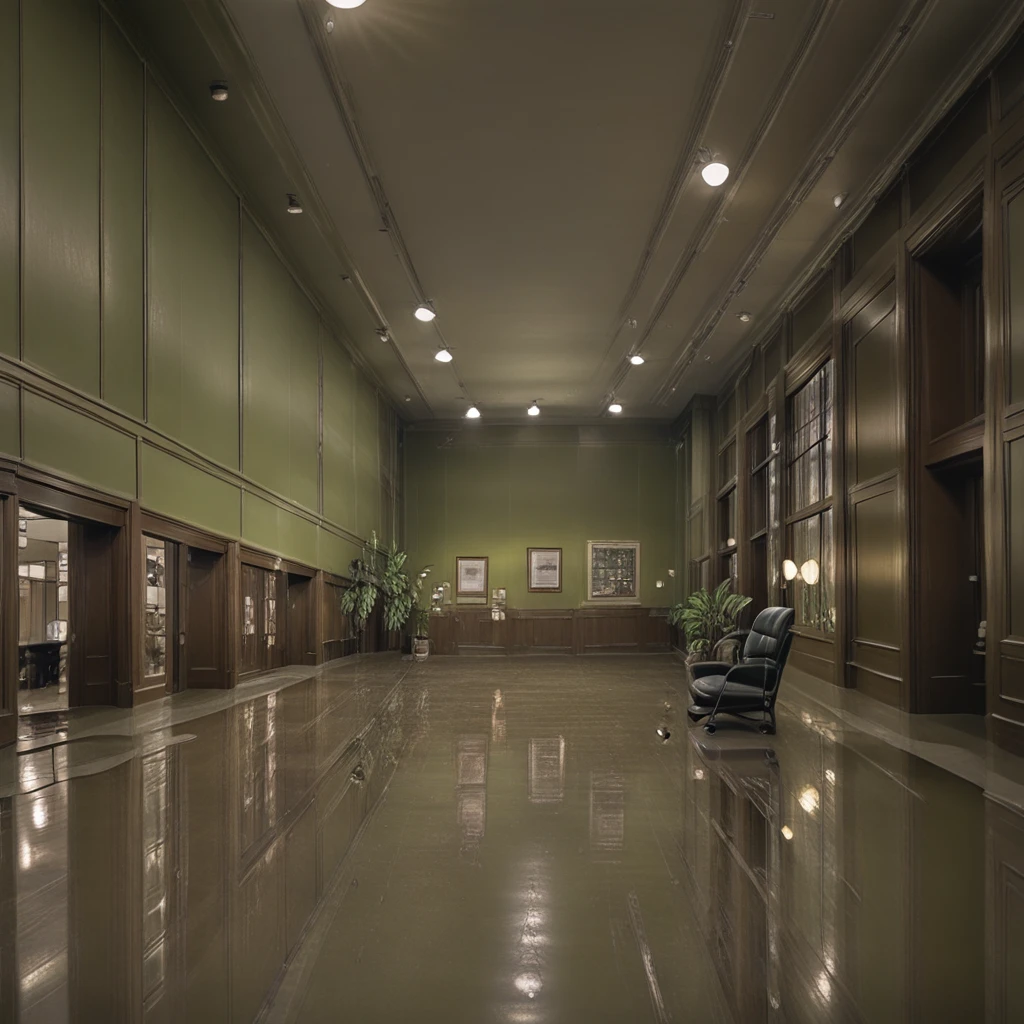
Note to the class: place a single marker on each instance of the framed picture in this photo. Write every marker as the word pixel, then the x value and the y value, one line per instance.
pixel 471 580
pixel 613 571
pixel 544 570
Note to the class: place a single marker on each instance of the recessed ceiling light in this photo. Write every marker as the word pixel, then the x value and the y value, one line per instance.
pixel 424 312
pixel 838 199
pixel 442 355
pixel 744 317
pixel 346 4
pixel 472 413
pixel 383 334
pixel 534 410
pixel 408 398
pixel 714 173
pixel 636 359
pixel 219 91
pixel 294 206
pixel 615 408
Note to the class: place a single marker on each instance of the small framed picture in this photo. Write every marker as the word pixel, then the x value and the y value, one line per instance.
pixel 471 580
pixel 544 570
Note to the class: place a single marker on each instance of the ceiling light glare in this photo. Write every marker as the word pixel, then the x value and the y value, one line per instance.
pixel 615 408
pixel 424 313
pixel 442 355
pixel 637 359
pixel 534 410
pixel 714 173
pixel 294 206
pixel 346 5
pixel 472 413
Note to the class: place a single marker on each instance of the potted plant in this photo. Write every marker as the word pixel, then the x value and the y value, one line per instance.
pixel 707 617
pixel 380 574
pixel 421 635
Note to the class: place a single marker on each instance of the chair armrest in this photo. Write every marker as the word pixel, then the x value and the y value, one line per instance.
pixel 763 674
pixel 710 668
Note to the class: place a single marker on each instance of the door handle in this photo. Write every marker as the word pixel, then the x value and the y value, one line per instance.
pixel 181 639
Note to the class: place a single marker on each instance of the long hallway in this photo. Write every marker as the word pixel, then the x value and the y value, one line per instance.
pixel 530 850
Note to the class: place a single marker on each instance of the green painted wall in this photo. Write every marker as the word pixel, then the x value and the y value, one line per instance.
pixel 495 492
pixel 132 274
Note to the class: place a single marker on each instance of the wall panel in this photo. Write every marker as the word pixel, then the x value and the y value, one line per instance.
pixel 10 178
pixel 367 476
pixel 1015 296
pixel 174 488
pixel 266 525
pixel 123 184
pixel 876 449
pixel 10 420
pixel 339 434
pixel 61 131
pixel 1015 537
pixel 193 371
pixel 78 446
pixel 281 337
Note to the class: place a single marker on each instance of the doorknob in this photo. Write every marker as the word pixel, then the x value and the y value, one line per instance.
pixel 181 639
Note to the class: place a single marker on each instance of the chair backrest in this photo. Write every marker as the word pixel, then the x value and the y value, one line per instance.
pixel 770 637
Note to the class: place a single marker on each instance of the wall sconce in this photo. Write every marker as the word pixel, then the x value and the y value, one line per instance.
pixel 809 572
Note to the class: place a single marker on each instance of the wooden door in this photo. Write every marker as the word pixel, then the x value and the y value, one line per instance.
pixel 300 646
pixel 92 626
pixel 204 648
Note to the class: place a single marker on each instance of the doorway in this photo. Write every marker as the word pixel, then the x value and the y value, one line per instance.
pixel 184 618
pixel 69 629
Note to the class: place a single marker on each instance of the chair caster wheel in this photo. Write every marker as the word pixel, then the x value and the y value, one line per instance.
pixel 693 717
pixel 766 729
pixel 710 727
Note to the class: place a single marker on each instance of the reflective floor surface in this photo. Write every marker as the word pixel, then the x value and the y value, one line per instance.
pixel 508 840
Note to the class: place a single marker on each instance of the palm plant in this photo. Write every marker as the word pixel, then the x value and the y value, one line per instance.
pixel 706 617
pixel 380 574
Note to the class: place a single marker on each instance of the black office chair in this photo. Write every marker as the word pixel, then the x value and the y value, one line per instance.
pixel 752 684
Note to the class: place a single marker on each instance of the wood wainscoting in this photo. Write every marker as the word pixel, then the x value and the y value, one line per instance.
pixel 551 631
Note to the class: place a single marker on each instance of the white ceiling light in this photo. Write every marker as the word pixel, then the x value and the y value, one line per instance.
pixel 744 317
pixel 838 199
pixel 615 408
pixel 219 91
pixel 637 359
pixel 714 173
pixel 534 410
pixel 442 355
pixel 346 4
pixel 472 413
pixel 294 206
pixel 424 313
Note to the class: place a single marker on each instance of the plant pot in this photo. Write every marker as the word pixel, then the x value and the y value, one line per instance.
pixel 420 648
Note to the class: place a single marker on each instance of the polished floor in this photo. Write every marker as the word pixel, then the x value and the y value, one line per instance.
pixel 507 840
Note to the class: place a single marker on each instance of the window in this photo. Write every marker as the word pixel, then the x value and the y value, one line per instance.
pixel 810 533
pixel 727 519
pixel 759 464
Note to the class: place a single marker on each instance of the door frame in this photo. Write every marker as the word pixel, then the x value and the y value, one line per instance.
pixel 151 524
pixel 76 503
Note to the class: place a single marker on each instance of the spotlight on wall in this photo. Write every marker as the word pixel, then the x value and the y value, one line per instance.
pixel 663 733
pixel 715 173
pixel 615 408
pixel 789 569
pixel 636 359
pixel 472 413
pixel 443 355
pixel 294 206
pixel 219 91
pixel 424 313
pixel 534 409
pixel 744 317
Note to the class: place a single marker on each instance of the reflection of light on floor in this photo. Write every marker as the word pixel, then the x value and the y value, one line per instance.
pixel 546 770
pixel 823 986
pixel 497 718
pixel 830 775
pixel 607 811
pixel 39 815
pixel 529 983
pixel 698 774
pixel 471 787
pixel 531 937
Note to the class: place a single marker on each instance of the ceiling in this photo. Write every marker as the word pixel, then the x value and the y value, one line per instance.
pixel 531 168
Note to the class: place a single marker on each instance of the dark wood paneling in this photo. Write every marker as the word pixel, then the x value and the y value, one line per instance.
pixel 875 404
pixel 813 655
pixel 548 632
pixel 205 640
pixel 477 632
pixel 92 613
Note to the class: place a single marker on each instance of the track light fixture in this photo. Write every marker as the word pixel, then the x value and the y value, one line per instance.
pixel 636 359
pixel 424 313
pixel 534 409
pixel 219 91
pixel 472 413
pixel 615 408
pixel 294 206
pixel 443 355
